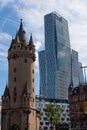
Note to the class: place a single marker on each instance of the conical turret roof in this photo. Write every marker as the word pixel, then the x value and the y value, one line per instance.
pixel 12 42
pixel 31 41
pixel 6 92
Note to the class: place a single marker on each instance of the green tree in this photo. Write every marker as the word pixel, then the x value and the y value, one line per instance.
pixel 53 113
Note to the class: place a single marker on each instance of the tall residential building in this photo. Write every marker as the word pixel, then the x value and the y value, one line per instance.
pixel 58 63
pixel 18 101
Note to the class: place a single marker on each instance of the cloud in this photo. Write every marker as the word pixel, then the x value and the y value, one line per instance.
pixel 4 36
pixel 33 13
pixel 7 20
pixel 38 46
pixel 78 36
pixel 4 45
pixel 4 3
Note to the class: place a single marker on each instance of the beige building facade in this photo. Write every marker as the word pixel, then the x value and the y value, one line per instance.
pixel 18 101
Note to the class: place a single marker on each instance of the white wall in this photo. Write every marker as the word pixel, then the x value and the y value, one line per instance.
pixel 40 105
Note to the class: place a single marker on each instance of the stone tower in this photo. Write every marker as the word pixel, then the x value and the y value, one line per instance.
pixel 18 101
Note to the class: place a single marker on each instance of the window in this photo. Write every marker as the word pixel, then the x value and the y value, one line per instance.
pixel 25 60
pixel 19 46
pixel 68 119
pixel 33 89
pixel 51 127
pixel 47 123
pixel 14 47
pixel 41 123
pixel 30 48
pixel 45 128
pixel 41 113
pixel 33 71
pixel 7 101
pixel 82 98
pixel 64 114
pixel 14 99
pixel 44 109
pixel 24 99
pixel 62 119
pixel 15 94
pixel 14 78
pixel 25 47
pixel 15 70
pixel 3 101
pixel 45 118
pixel 67 110
pixel 33 80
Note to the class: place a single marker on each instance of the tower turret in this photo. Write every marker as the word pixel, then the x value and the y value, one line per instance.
pixel 17 38
pixel 31 41
pixel 6 92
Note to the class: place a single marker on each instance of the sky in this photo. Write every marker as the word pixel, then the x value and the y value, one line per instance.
pixel 32 12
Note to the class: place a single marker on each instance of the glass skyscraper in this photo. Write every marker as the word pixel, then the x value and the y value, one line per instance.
pixel 58 63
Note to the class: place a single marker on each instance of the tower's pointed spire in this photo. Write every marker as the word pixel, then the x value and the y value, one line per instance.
pixel 31 40
pixel 6 92
pixel 22 33
pixel 21 26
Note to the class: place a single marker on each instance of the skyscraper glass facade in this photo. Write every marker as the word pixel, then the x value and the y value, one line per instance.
pixel 58 67
pixel 42 66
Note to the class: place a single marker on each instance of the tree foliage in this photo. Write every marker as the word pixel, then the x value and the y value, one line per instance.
pixel 53 113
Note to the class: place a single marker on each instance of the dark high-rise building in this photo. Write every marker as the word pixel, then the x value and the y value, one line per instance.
pixel 58 63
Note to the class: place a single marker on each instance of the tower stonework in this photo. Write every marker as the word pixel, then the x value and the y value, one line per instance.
pixel 18 101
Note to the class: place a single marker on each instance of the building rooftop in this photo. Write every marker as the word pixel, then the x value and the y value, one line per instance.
pixel 78 89
pixel 51 100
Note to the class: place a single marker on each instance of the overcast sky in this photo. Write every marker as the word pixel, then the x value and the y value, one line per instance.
pixel 32 12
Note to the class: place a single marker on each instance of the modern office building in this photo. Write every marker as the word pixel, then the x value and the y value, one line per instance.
pixel 42 65
pixel 65 115
pixel 58 63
